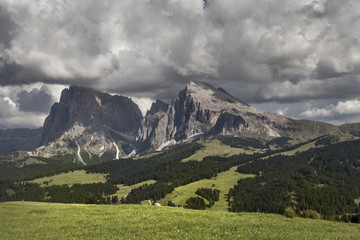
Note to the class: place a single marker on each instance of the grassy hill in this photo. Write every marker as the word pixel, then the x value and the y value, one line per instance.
pixel 223 182
pixel 30 220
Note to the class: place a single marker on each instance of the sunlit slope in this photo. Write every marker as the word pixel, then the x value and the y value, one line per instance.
pixel 223 182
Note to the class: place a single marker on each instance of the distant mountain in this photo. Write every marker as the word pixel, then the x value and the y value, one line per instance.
pixel 19 139
pixel 352 128
pixel 91 126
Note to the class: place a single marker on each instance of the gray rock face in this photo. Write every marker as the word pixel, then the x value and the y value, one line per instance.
pixel 94 121
pixel 90 108
pixel 201 109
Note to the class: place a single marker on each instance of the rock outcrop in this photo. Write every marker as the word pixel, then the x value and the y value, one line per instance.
pixel 202 110
pixel 94 121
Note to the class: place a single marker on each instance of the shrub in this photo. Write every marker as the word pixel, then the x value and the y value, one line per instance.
pixel 311 214
pixel 209 194
pixel 289 212
pixel 171 203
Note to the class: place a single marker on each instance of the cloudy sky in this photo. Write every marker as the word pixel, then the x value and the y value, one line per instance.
pixel 298 58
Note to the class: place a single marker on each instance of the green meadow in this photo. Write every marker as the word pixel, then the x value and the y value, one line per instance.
pixel 70 178
pixel 308 146
pixel 223 182
pixel 28 220
pixel 215 148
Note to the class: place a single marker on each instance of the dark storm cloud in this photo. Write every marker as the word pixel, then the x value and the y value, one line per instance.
pixel 7 27
pixel 36 100
pixel 275 51
pixel 10 114
pixel 15 74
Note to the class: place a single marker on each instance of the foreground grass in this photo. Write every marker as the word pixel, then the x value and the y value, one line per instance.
pixel 60 221
pixel 71 178
pixel 224 181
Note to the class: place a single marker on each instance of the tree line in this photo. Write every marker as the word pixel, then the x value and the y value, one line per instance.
pixel 212 195
pixel 95 193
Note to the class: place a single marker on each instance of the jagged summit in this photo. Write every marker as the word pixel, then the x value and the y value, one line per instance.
pixel 194 87
pixel 215 99
pixel 157 106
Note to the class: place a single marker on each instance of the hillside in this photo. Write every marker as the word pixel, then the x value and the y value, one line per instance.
pixel 28 220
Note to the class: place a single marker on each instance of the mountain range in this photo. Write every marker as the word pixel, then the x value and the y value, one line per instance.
pixel 94 126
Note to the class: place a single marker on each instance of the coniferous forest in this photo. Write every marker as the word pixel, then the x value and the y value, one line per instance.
pixel 324 180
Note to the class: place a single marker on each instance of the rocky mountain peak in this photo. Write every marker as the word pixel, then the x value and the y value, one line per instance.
pixel 157 106
pixel 90 108
pixel 206 90
pixel 213 99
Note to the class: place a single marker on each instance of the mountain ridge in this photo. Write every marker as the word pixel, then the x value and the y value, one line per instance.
pixel 88 123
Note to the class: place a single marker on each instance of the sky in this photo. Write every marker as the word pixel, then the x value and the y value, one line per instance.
pixel 297 58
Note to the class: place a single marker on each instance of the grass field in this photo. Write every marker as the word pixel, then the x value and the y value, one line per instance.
pixel 29 161
pixel 60 221
pixel 224 181
pixel 215 147
pixel 147 155
pixel 71 178
pixel 305 147
pixel 124 190
pixel 302 148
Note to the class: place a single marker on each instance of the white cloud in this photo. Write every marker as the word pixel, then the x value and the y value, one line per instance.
pixel 143 103
pixel 348 107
